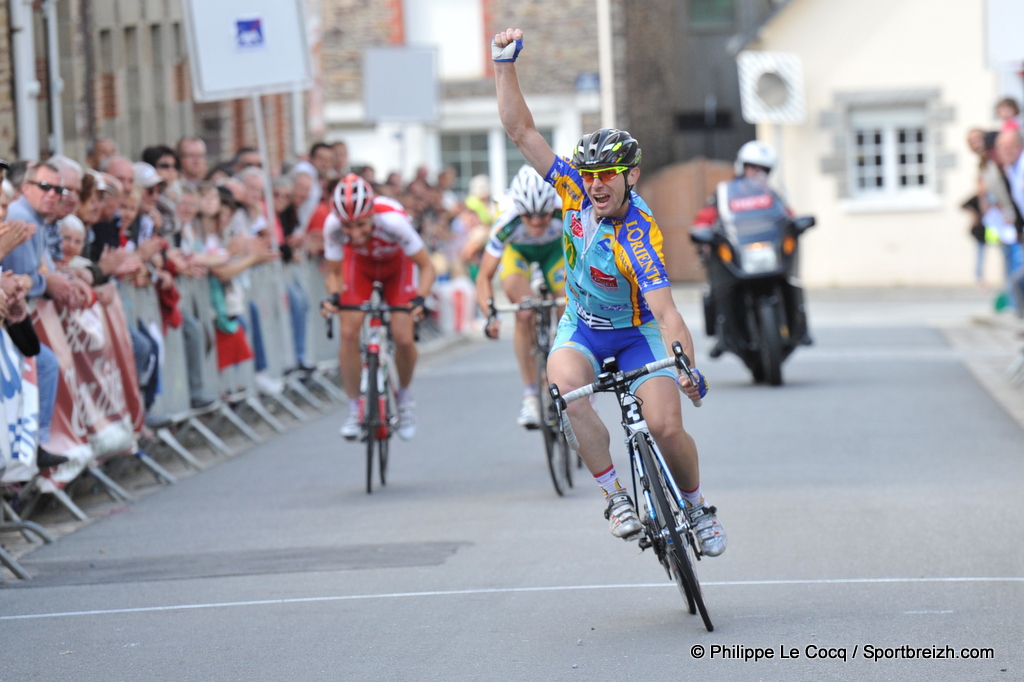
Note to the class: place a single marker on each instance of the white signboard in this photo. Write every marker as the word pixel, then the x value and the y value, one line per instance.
pixel 400 84
pixel 241 48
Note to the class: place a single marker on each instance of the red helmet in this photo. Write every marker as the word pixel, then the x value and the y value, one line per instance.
pixel 353 198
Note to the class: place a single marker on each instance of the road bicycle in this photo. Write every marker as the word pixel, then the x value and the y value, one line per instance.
pixel 378 380
pixel 666 527
pixel 545 312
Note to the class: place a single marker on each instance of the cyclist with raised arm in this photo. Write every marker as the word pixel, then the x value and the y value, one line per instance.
pixel 369 239
pixel 619 299
pixel 529 232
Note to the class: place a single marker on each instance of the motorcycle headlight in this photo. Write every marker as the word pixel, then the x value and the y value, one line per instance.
pixel 760 257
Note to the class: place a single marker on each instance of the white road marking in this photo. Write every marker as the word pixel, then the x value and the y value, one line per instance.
pixel 504 590
pixel 915 613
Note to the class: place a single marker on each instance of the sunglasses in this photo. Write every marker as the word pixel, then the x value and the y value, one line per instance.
pixel 605 174
pixel 536 216
pixel 166 166
pixel 47 187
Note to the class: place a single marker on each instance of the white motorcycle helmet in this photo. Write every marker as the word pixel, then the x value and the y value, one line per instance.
pixel 756 153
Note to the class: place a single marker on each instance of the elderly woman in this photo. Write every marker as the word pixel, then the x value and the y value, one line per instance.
pixel 72 234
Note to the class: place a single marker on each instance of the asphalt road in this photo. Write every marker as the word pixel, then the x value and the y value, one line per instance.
pixel 873 506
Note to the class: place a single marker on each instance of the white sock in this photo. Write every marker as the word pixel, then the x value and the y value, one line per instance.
pixel 403 394
pixel 353 406
pixel 609 481
pixel 694 498
pixel 530 390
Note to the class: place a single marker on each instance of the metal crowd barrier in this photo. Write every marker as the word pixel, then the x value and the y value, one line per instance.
pixel 172 413
pixel 321 351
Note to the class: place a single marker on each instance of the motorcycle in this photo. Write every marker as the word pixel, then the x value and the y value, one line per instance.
pixel 753 302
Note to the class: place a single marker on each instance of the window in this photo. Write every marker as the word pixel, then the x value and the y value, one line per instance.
pixel 514 158
pixel 712 13
pixel 133 83
pixel 889 152
pixel 467 153
pixel 181 82
pixel 108 82
pixel 159 100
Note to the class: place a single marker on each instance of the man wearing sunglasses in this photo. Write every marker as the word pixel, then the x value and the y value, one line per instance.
pixel 619 300
pixel 41 192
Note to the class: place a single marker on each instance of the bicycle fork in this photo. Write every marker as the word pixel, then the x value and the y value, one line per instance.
pixel 636 427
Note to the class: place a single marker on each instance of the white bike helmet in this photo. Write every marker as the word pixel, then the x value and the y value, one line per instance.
pixel 531 194
pixel 756 153
pixel 353 198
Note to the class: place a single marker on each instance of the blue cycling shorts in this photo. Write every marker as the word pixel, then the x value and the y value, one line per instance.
pixel 632 347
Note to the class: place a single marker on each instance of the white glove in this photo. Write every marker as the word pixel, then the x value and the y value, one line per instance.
pixel 507 53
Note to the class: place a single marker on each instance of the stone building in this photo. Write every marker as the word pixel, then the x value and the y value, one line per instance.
pixel 558 75
pixel 675 77
pixel 117 69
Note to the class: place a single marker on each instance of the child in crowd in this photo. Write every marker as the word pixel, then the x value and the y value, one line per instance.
pixel 1007 110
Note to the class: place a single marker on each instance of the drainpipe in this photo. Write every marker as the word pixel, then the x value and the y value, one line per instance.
pixel 26 87
pixel 604 60
pixel 56 82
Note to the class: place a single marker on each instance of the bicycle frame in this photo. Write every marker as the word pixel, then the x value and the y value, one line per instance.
pixel 375 340
pixel 635 427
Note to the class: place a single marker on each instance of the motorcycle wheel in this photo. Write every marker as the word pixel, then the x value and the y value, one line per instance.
pixel 771 343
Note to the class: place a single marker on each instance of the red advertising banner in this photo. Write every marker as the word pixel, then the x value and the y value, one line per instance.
pixel 98 408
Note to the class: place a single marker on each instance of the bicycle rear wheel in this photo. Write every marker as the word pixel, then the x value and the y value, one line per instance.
pixel 555 446
pixel 371 417
pixel 673 548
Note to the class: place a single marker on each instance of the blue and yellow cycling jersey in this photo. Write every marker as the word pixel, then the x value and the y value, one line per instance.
pixel 609 263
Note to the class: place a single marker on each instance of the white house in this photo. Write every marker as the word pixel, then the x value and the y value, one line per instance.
pixel 892 87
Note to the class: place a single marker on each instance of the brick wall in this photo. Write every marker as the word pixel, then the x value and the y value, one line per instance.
pixel 349 27
pixel 561 40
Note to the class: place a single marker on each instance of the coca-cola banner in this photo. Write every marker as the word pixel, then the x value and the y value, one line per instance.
pixel 98 408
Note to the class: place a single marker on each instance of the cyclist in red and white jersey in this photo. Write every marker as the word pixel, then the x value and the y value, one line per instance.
pixel 370 239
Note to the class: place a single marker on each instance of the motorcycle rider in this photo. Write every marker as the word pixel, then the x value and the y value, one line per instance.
pixel 748 198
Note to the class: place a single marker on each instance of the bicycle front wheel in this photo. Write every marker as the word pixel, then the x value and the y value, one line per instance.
pixel 371 417
pixel 385 441
pixel 673 547
pixel 555 446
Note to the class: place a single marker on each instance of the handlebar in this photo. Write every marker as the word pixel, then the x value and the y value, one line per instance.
pixel 528 303
pixel 366 307
pixel 525 304
pixel 609 382
pixel 606 383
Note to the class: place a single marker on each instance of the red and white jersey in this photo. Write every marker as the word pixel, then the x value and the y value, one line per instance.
pixel 392 234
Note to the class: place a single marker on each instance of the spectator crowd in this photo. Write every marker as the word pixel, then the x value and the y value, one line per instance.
pixel 997 208
pixel 67 229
